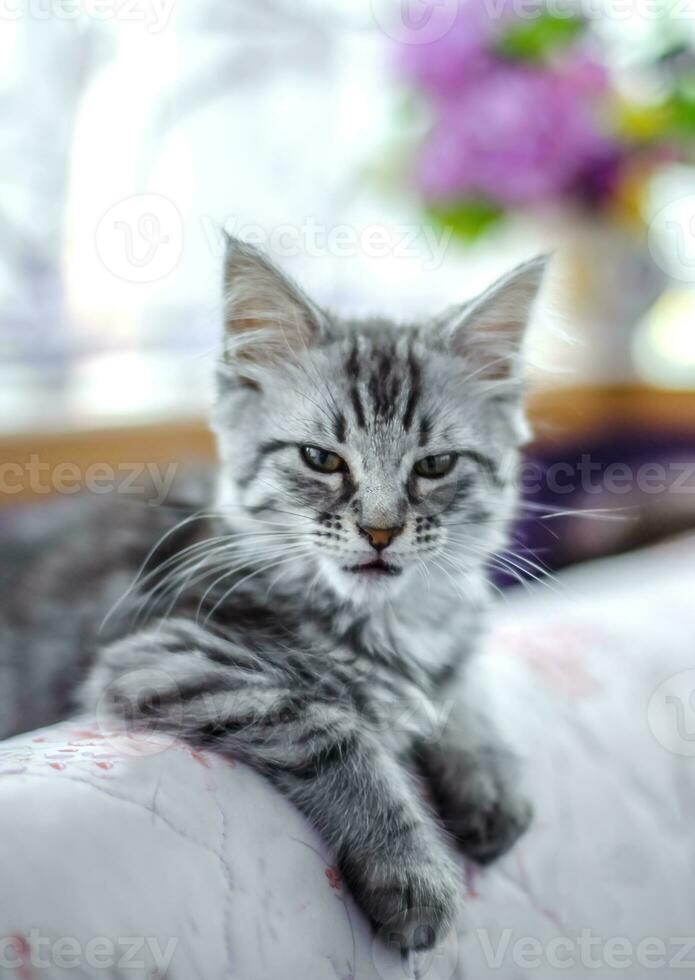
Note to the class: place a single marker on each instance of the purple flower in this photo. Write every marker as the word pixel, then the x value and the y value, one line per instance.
pixel 584 72
pixel 518 135
pixel 601 178
pixel 511 131
pixel 461 53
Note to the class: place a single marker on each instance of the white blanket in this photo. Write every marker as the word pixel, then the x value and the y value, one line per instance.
pixel 126 857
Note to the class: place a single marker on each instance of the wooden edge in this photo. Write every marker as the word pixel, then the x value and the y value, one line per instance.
pixel 565 414
pixel 42 464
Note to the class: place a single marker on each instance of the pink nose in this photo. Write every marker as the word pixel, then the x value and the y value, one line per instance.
pixel 380 537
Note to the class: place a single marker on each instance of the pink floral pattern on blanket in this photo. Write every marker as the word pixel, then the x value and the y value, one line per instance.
pixel 85 751
pixel 261 888
pixel 559 653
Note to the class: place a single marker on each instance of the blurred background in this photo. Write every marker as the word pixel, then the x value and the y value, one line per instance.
pixel 393 156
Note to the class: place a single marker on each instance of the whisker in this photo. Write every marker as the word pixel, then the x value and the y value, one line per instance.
pixel 143 566
pixel 246 578
pixel 214 559
pixel 188 557
pixel 593 513
pixel 287 546
pixel 461 568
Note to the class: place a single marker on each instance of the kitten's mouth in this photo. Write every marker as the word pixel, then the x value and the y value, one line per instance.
pixel 377 567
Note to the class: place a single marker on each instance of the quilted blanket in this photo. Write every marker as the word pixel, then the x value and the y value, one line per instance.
pixel 134 856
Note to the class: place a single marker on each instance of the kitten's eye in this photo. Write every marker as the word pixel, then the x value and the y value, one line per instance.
pixel 322 460
pixel 435 467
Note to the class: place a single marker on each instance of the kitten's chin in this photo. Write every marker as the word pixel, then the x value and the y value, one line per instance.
pixel 364 587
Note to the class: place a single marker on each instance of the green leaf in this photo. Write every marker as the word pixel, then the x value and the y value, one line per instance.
pixel 682 109
pixel 534 40
pixel 467 219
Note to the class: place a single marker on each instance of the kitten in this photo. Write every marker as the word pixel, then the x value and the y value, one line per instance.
pixel 316 622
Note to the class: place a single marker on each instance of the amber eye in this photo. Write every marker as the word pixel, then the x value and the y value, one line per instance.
pixel 435 467
pixel 322 460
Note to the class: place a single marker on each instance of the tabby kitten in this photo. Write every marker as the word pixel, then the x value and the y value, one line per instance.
pixel 317 622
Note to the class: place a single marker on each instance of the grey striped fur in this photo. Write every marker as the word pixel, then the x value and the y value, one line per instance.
pixel 250 631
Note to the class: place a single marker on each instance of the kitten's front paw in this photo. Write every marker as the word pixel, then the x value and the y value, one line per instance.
pixel 490 819
pixel 411 900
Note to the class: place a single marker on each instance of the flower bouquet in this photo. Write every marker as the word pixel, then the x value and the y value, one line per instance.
pixel 524 112
pixel 533 112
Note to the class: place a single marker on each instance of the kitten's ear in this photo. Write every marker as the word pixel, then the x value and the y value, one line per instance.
pixel 266 316
pixel 489 331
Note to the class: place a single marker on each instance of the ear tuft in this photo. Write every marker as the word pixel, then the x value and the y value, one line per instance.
pixel 266 316
pixel 489 331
